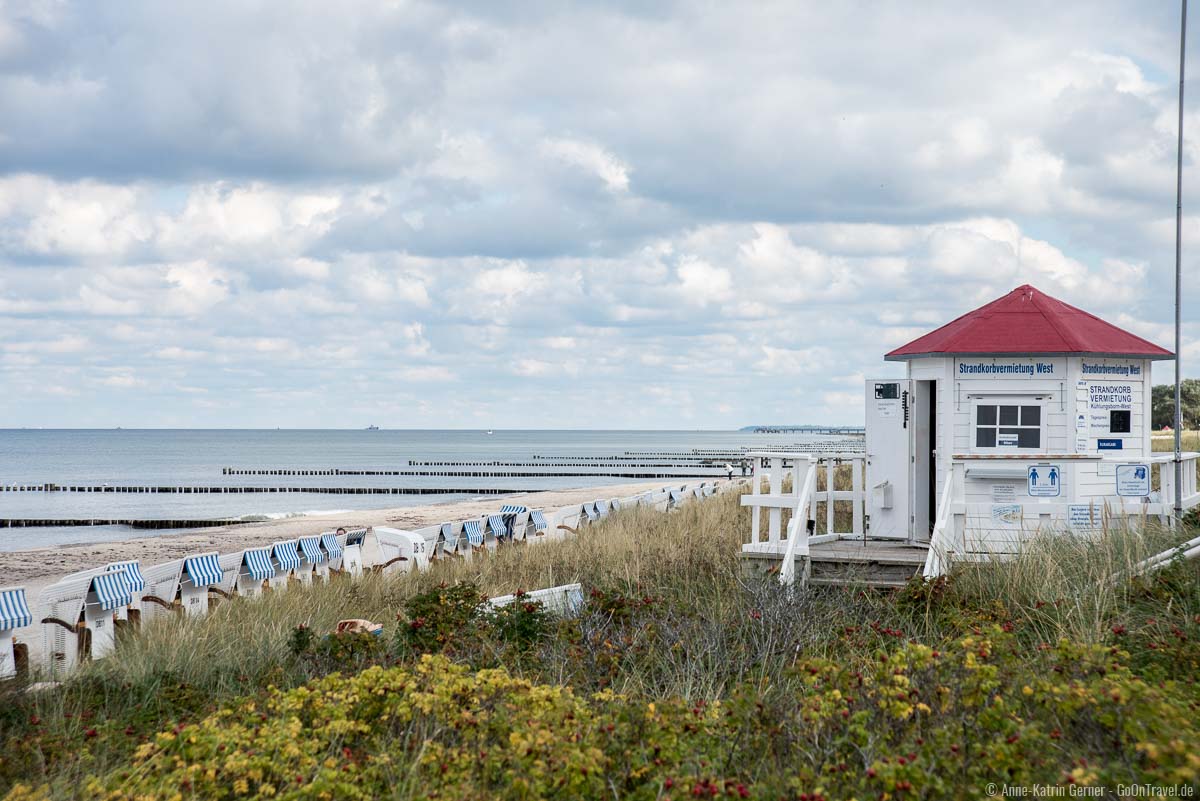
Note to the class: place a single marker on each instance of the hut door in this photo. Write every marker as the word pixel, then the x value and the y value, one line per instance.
pixel 890 419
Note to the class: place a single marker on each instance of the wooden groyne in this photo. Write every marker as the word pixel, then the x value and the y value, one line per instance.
pixel 548 469
pixel 132 523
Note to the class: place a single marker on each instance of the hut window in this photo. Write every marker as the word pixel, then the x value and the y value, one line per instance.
pixel 1008 424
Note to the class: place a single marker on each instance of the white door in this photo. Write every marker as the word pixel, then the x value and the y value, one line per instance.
pixel 890 424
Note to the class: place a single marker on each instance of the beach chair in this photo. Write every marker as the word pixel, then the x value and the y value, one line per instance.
pixel 517 519
pixel 352 552
pixel 159 599
pixel 450 538
pixel 14 614
pixel 137 585
pixel 400 551
pixel 333 551
pixel 202 573
pixel 601 507
pixel 312 560
pixel 80 616
pixel 285 558
pixel 590 515
pixel 498 528
pixel 255 571
pixel 564 600
pixel 473 530
pixel 676 498
pixel 537 521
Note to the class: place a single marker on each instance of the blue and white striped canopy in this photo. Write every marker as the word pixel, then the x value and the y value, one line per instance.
pixel 203 570
pixel 602 508
pixel 356 537
pixel 133 574
pixel 539 520
pixel 14 611
pixel 498 526
pixel 258 562
pixel 510 509
pixel 286 553
pixel 311 548
pixel 332 546
pixel 474 531
pixel 112 589
pixel 448 530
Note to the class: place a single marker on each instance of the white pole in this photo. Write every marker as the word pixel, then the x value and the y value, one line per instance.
pixel 1178 274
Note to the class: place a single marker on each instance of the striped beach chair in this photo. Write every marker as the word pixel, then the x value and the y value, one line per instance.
pixel 537 519
pixel 473 530
pixel 517 519
pixel 312 560
pixel 285 558
pixel 449 537
pixel 137 585
pixel 80 619
pixel 254 572
pixel 498 528
pixel 200 573
pixel 14 614
pixel 333 550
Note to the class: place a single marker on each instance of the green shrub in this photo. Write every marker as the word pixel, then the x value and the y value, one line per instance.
pixel 918 723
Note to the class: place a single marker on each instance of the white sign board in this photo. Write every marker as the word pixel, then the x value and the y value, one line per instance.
pixel 1045 481
pixel 1006 515
pixel 1079 516
pixel 1133 480
pixel 1004 493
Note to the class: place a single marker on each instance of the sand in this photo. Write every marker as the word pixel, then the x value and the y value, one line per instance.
pixel 37 567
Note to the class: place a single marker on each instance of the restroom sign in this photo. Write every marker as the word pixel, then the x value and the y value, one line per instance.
pixel 1133 480
pixel 1045 481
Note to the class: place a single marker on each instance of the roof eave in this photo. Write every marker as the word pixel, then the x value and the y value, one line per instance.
pixel 905 357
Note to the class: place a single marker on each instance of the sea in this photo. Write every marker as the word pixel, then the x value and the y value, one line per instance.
pixel 226 459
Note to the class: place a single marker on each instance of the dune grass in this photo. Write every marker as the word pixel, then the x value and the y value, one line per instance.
pixel 670 619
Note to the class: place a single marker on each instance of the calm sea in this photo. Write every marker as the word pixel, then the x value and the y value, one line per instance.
pixel 195 458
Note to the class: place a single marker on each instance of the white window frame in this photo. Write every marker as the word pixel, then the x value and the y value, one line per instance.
pixel 1008 400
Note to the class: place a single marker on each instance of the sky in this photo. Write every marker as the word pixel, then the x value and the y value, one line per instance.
pixel 562 214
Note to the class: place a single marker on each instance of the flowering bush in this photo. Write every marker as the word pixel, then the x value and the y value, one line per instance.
pixel 918 722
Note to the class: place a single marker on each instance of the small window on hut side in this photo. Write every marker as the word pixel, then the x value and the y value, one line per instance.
pixel 1008 425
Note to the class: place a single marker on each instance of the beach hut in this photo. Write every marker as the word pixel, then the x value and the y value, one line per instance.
pixel 400 550
pixel 1025 413
pixel 14 614
pixel 311 558
pixel 255 571
pixel 80 616
pixel 285 558
pixel 161 593
pixel 201 574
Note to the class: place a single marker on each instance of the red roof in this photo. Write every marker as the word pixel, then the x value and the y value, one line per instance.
pixel 1026 321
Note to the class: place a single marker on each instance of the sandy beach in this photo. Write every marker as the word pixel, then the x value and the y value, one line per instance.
pixel 37 567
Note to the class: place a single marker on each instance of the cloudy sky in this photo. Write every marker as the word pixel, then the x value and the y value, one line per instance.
pixel 574 214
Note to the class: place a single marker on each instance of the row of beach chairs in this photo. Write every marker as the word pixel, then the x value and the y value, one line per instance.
pixel 80 614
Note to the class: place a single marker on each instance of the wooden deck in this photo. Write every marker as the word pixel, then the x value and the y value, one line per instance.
pixel 873 563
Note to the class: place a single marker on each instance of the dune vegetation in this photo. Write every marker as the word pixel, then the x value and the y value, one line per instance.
pixel 680 678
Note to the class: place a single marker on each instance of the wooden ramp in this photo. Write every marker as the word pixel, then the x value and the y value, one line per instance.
pixel 870 563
